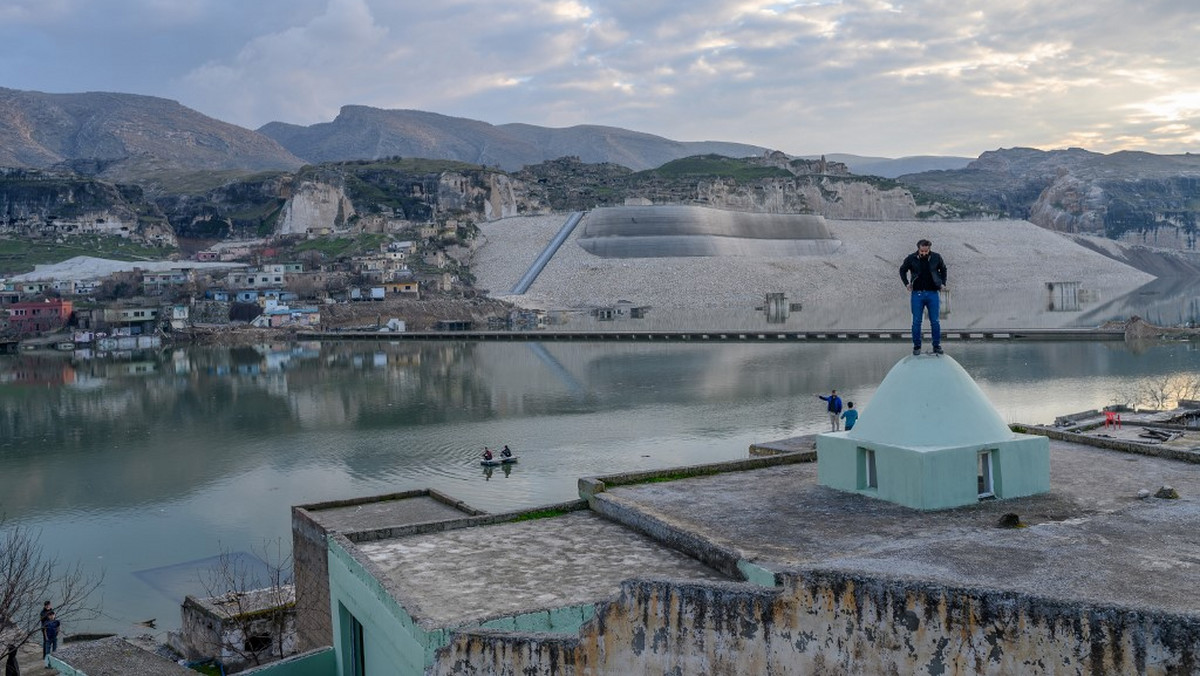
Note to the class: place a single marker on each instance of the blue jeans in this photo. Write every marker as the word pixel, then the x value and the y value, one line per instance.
pixel 920 301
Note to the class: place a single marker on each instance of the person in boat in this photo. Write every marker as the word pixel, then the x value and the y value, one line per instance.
pixel 487 453
pixel 506 453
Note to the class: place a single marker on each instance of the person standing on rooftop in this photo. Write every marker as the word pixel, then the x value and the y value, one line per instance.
pixel 928 277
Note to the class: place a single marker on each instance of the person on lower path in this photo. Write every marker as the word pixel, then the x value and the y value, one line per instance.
pixel 11 667
pixel 50 642
pixel 834 407
pixel 928 277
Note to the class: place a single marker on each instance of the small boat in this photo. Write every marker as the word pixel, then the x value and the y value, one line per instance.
pixel 498 461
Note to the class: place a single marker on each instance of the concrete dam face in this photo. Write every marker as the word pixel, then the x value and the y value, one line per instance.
pixel 676 231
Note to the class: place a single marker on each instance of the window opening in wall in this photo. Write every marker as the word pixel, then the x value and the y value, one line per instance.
pixel 352 632
pixel 870 478
pixel 984 476
pixel 256 643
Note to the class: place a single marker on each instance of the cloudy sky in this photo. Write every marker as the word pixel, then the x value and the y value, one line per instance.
pixel 871 77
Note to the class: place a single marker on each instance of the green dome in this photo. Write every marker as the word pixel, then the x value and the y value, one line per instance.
pixel 929 401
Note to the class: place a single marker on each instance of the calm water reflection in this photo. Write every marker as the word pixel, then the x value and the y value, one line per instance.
pixel 142 465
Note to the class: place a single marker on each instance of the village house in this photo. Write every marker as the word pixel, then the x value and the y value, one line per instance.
pixel 34 317
pixel 128 320
pixel 270 276
pixel 441 281
pixel 372 269
pixel 315 283
pixel 277 316
pixel 437 259
pixel 407 287
pixel 166 281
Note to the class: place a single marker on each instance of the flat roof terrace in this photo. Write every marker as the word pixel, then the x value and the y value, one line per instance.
pixel 1089 539
pixel 467 575
pixel 385 511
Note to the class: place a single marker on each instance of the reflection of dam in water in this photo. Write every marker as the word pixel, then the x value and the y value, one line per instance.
pixel 674 231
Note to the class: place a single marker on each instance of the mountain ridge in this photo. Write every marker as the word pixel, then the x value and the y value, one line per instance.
pixel 107 130
pixel 367 133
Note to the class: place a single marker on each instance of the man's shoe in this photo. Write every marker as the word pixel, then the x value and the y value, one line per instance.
pixel 916 350
pixel 937 349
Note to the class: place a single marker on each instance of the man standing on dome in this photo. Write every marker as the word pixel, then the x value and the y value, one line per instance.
pixel 928 272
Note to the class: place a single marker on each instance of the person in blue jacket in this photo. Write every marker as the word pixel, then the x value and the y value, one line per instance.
pixel 834 407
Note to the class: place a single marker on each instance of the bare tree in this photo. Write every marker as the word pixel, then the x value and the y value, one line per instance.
pixel 255 606
pixel 1158 393
pixel 29 576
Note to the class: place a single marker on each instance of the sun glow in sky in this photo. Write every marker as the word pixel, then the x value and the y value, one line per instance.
pixel 855 76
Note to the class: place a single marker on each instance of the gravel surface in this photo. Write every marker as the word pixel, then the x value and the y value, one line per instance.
pixel 995 269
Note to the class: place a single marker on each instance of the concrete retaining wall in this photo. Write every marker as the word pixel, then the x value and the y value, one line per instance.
pixel 1122 445
pixel 831 623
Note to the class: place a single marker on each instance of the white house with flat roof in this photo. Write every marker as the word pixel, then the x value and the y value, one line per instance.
pixel 930 439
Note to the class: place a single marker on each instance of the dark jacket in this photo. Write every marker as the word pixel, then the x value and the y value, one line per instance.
pixel 928 274
pixel 11 668
pixel 835 403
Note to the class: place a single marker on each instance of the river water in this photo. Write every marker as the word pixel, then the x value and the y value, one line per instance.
pixel 147 466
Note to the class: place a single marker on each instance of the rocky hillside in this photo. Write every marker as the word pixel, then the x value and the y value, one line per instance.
pixel 361 132
pixel 1127 196
pixel 112 135
pixel 50 205
pixel 771 183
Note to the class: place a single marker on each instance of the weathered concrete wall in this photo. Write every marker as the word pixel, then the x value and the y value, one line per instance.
pixel 310 572
pixel 1126 446
pixel 832 623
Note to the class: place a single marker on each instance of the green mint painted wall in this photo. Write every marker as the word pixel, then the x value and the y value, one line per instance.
pixel 394 643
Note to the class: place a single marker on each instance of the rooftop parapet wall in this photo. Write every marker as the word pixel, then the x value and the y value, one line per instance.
pixel 828 622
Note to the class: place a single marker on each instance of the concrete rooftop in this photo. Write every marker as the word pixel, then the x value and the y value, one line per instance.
pixel 1090 539
pixel 368 514
pixel 471 574
pixel 114 656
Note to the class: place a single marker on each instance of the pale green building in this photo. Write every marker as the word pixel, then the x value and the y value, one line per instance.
pixel 930 439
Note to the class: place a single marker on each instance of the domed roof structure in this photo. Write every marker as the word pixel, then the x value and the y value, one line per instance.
pixel 679 230
pixel 929 401
pixel 930 439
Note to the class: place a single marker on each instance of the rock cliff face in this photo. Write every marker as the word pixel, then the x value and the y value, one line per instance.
pixel 484 197
pixel 1131 197
pixel 832 198
pixel 315 208
pixel 772 183
pixel 1156 211
pixel 46 205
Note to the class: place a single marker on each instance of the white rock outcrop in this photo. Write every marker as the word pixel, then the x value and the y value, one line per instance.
pixel 314 208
